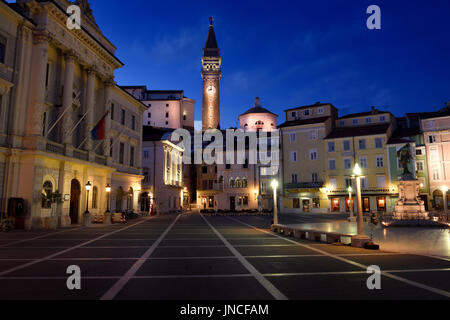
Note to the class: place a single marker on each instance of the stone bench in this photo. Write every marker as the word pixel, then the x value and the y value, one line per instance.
pixel 309 234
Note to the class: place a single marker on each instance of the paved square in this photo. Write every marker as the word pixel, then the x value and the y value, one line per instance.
pixel 191 257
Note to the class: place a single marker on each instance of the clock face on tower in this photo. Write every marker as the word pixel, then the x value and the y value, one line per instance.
pixel 211 89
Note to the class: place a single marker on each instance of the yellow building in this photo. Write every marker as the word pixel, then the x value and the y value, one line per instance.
pixel 359 138
pixel 303 157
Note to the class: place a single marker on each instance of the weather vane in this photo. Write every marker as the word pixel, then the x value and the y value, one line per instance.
pixel 211 20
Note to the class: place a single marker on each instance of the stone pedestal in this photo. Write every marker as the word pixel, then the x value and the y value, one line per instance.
pixel 360 241
pixel 409 206
pixel 87 219
pixel 107 219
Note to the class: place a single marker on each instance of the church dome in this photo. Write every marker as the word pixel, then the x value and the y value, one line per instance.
pixel 258 118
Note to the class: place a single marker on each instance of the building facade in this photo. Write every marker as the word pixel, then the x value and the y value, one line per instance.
pixel 303 157
pixel 58 84
pixel 166 108
pixel 436 131
pixel 360 138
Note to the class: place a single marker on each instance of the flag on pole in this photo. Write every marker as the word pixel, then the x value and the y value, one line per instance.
pixel 99 131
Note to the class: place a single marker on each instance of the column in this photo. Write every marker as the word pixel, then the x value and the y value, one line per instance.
pixel 109 83
pixel 67 100
pixel 166 177
pixel 36 101
pixel 90 100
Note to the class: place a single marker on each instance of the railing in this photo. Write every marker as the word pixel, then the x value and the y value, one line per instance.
pixel 365 190
pixel 100 160
pixel 54 147
pixel 304 185
pixel 81 154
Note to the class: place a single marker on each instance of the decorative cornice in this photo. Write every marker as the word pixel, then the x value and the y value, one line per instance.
pixel 41 36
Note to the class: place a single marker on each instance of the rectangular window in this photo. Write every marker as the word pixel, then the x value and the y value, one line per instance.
pixel 133 122
pixel 436 173
pixel 307 112
pixel 434 154
pixel 292 137
pixel 365 182
pixel 378 143
pixel 167 114
pixel 122 118
pixel 313 154
pixel 2 49
pixel 331 147
pixel 355 122
pixel 320 111
pixel 363 162
pixel 294 156
pixel 111 144
pixel 112 111
pixel 332 164
pixel 342 123
pixel 294 114
pixel 347 164
pixel 346 145
pixel 419 166
pixel 146 154
pixel 313 135
pixel 380 161
pixel 121 153
pixel 419 152
pixel 296 203
pixel 369 120
pixel 382 118
pixel 431 139
pixel 131 156
pixel 362 144
pixel 314 177
pixel 348 183
pixel 381 181
pixel 294 178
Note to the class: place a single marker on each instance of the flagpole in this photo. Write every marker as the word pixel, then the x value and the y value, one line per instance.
pixel 78 123
pixel 62 115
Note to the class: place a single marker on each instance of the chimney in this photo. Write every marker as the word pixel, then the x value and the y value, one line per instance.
pixel 374 111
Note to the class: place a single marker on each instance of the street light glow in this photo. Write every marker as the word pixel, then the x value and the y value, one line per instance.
pixel 350 189
pixel 444 188
pixel 274 184
pixel 88 186
pixel 108 188
pixel 357 170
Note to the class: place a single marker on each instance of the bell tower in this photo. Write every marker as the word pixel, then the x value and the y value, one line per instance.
pixel 211 75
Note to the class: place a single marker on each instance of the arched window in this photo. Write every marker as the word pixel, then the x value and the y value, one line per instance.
pixel 244 183
pixel 238 183
pixel 94 197
pixel 47 190
pixel 232 183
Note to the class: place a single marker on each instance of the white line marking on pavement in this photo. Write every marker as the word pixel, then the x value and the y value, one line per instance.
pixel 51 256
pixel 410 282
pixel 258 276
pixel 36 238
pixel 118 286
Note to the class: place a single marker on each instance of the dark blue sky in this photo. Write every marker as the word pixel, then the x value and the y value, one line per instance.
pixel 289 53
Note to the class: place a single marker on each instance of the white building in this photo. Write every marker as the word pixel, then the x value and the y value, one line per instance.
pixel 166 108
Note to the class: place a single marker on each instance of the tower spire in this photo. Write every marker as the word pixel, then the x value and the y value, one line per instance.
pixel 211 75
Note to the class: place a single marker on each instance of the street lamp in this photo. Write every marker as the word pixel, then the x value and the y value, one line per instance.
pixel 360 239
pixel 108 192
pixel 444 191
pixel 88 188
pixel 350 206
pixel 275 208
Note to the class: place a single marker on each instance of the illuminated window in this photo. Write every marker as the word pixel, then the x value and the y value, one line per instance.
pixel 94 197
pixel 47 190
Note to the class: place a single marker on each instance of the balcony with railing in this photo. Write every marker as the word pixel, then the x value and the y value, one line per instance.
pixel 304 185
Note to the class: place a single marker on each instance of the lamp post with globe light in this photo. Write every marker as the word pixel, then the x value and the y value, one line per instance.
pixel 275 208
pixel 108 219
pixel 87 215
pixel 360 239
